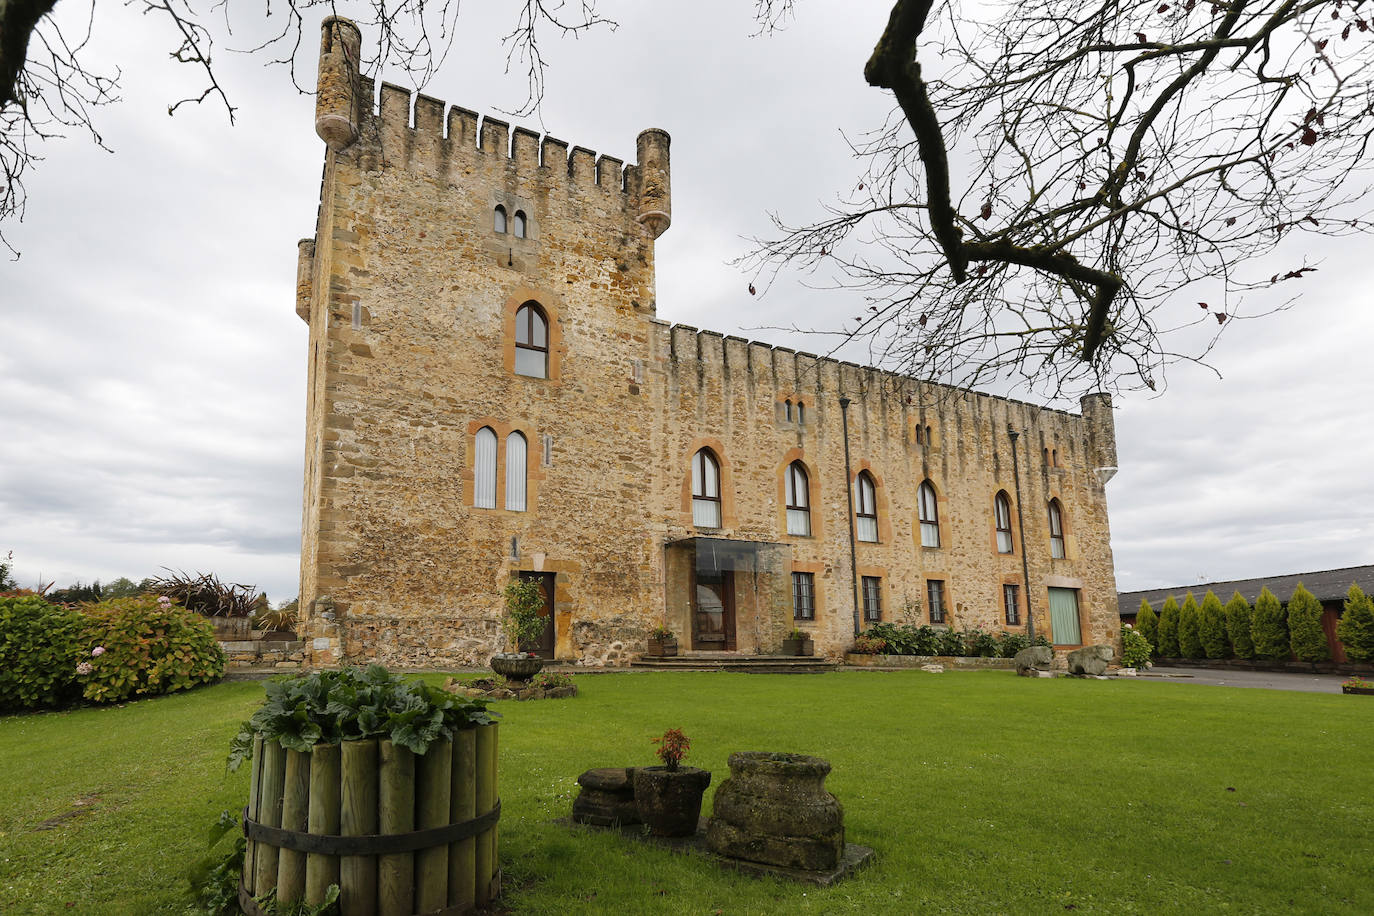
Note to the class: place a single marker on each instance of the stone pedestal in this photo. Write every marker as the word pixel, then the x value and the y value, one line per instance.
pixel 774 809
pixel 607 798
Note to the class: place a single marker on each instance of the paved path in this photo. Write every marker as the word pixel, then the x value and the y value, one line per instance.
pixel 1272 680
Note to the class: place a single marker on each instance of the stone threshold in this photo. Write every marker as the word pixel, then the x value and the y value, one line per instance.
pixel 855 857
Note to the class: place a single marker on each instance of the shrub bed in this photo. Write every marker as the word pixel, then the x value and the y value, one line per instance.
pixel 905 639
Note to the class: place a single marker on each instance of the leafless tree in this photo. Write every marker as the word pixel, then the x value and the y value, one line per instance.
pixel 1062 185
pixel 47 89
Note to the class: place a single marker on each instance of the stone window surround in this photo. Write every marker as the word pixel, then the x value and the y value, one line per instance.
pixel 728 518
pixel 813 493
pixel 534 473
pixel 880 503
pixel 552 306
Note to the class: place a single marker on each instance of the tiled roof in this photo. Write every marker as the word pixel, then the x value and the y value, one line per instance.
pixel 1326 584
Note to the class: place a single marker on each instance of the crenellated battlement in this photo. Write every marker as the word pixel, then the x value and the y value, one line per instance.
pixel 399 127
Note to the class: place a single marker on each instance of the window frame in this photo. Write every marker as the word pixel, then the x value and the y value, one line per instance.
pixel 803 595
pixel 935 588
pixel 929 525
pixel 865 508
pixel 797 496
pixel 1058 545
pixel 519 224
pixel 1001 515
pixel 871 589
pixel 526 329
pixel 705 471
pixel 1011 604
pixel 500 222
pixel 517 472
pixel 485 498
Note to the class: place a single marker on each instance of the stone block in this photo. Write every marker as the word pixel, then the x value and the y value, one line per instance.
pixel 1090 660
pixel 1033 659
pixel 607 798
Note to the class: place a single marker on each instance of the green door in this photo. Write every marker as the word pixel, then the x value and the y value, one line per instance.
pixel 1064 617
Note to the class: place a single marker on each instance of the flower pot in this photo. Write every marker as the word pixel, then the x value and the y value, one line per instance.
pixel 516 666
pixel 1365 691
pixel 663 647
pixel 669 801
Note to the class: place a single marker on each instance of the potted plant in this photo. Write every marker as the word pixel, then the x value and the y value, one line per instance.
pixel 668 797
pixel 662 642
pixel 1357 685
pixel 522 625
pixel 797 642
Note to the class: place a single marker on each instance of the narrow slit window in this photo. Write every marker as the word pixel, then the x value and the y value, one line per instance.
pixel 531 341
pixel 801 412
pixel 787 410
pixel 866 509
pixel 798 500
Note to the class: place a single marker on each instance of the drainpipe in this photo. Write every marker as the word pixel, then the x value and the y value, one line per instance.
pixel 1021 526
pixel 849 496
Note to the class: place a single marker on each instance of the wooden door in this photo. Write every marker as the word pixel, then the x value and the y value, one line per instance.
pixel 713 611
pixel 544 645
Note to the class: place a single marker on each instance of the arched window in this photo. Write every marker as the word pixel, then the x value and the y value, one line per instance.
pixel 499 219
pixel 484 469
pixel 1056 530
pixel 519 224
pixel 516 449
pixel 801 412
pixel 705 490
pixel 531 341
pixel 866 509
pixel 787 409
pixel 798 500
pixel 1002 512
pixel 930 516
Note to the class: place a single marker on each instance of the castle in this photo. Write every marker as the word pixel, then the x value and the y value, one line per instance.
pixel 491 395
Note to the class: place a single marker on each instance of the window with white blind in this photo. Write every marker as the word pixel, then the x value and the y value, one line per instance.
pixel 705 490
pixel 930 515
pixel 1056 530
pixel 798 500
pixel 484 469
pixel 516 450
pixel 865 508
pixel 531 341
pixel 1002 513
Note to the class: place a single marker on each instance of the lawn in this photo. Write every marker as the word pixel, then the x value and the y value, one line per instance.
pixel 981 792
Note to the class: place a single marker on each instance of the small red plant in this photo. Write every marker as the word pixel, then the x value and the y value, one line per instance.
pixel 672 747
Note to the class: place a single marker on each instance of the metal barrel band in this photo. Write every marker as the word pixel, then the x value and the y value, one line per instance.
pixel 370 844
pixel 250 906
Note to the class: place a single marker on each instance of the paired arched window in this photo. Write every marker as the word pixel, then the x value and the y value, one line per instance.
pixel 930 515
pixel 518 224
pixel 787 409
pixel 484 470
pixel 1056 530
pixel 705 490
pixel 531 341
pixel 498 220
pixel 798 500
pixel 865 508
pixel 1002 513
pixel 801 412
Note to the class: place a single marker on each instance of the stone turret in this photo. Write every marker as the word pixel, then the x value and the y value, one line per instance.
pixel 336 102
pixel 655 190
pixel 1097 412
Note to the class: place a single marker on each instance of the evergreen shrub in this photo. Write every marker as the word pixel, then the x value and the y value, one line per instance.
pixel 1211 628
pixel 1268 627
pixel 1168 629
pixel 1189 619
pixel 146 646
pixel 1356 629
pixel 1135 649
pixel 40 647
pixel 1147 624
pixel 1306 636
pixel 1238 614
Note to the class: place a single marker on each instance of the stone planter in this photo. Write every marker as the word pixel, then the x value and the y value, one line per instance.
pixel 1363 691
pixel 662 648
pixel 774 809
pixel 516 667
pixel 232 629
pixel 669 801
pixel 804 646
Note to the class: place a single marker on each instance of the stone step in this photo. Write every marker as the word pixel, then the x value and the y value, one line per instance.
pixel 725 661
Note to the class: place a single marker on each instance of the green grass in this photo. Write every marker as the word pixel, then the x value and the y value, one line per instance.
pixel 981 792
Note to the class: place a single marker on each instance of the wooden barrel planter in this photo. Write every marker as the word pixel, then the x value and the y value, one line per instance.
pixel 399 834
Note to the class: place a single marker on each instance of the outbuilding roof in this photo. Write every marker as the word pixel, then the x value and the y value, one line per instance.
pixel 1326 584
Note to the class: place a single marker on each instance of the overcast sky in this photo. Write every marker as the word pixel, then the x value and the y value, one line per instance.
pixel 154 368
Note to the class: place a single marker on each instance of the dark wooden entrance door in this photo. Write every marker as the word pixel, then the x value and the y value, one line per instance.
pixel 544 645
pixel 713 617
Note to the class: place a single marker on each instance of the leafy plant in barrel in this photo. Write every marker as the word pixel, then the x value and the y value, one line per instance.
pixel 672 747
pixel 522 623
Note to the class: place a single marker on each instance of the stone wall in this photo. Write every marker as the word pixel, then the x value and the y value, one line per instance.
pixel 410 293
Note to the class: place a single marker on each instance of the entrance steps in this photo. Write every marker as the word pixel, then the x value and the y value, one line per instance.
pixel 731 661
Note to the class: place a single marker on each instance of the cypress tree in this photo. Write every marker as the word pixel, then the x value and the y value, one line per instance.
pixel 1189 643
pixel 1268 629
pixel 1148 625
pixel 1211 629
pixel 1168 628
pixel 1356 629
pixel 1238 613
pixel 1305 626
